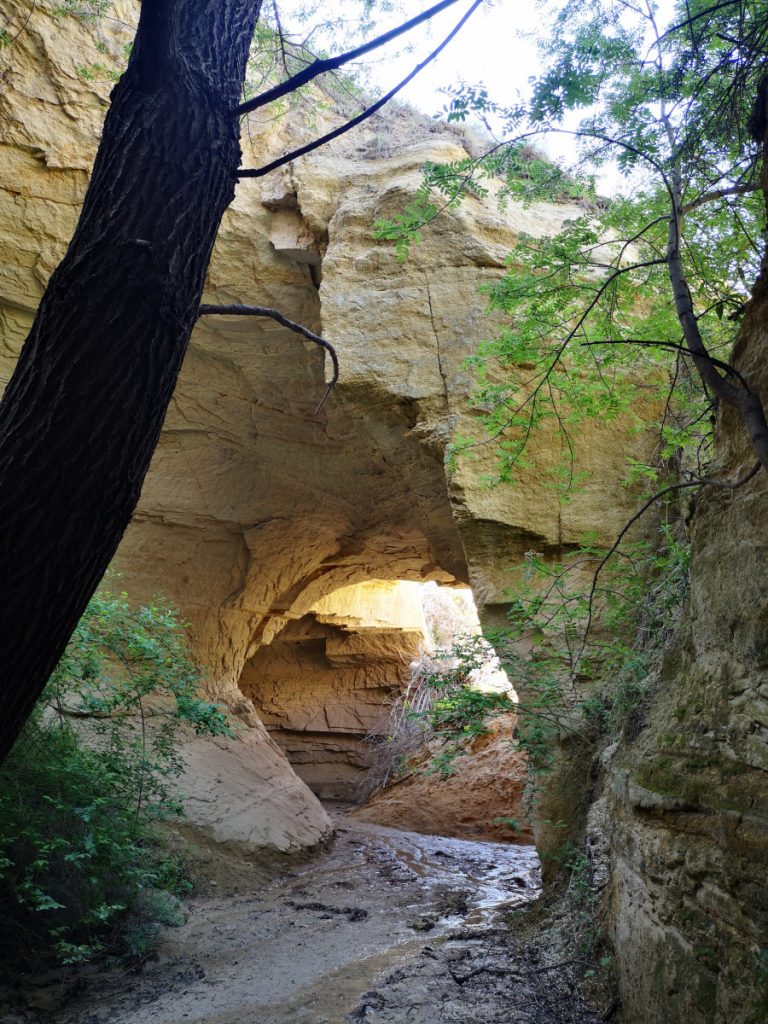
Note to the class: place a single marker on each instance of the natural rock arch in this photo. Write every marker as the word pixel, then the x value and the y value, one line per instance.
pixel 255 507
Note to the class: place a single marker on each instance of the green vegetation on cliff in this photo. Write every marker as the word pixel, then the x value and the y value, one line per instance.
pixel 82 867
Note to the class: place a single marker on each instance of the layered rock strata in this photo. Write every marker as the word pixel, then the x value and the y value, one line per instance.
pixel 323 685
pixel 683 821
pixel 257 507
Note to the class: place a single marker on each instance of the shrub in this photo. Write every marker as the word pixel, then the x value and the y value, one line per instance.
pixel 87 781
pixel 441 706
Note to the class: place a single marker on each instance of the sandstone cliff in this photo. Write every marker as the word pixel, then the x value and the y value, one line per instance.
pixel 256 508
pixel 259 517
pixel 686 802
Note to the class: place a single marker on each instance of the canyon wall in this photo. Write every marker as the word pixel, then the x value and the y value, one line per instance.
pixel 686 803
pixel 265 521
pixel 257 507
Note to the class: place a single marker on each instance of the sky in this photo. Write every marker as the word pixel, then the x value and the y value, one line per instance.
pixel 489 48
pixel 497 48
pixel 492 47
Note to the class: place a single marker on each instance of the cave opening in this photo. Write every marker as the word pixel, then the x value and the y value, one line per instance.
pixel 325 686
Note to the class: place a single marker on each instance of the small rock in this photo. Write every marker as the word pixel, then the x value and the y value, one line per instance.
pixel 422 924
pixel 356 914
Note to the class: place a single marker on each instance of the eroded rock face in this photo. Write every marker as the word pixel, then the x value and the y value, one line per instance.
pixel 241 791
pixel 256 507
pixel 482 796
pixel 687 801
pixel 323 683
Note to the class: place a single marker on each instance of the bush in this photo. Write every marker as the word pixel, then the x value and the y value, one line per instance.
pixel 441 705
pixel 86 783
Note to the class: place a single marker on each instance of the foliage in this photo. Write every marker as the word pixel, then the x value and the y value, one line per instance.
pixel 85 10
pixel 514 171
pixel 583 901
pixel 94 72
pixel 579 680
pixel 440 709
pixel 458 715
pixel 589 324
pixel 581 651
pixel 81 866
pixel 568 302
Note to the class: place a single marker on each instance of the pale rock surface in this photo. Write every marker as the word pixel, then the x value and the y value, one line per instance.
pixel 256 508
pixel 322 686
pixel 238 791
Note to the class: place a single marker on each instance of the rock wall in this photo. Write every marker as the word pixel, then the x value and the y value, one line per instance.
pixel 322 685
pixel 686 803
pixel 257 511
pixel 257 507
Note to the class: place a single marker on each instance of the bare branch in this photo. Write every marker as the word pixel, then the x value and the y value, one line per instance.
pixel 280 35
pixel 599 136
pixel 259 172
pixel 235 309
pixel 319 67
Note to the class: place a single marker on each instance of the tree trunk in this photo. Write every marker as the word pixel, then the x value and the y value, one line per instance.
pixel 82 413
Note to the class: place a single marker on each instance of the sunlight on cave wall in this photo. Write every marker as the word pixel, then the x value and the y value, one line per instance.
pixel 326 681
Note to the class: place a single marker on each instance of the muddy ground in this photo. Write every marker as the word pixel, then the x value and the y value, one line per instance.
pixel 384 926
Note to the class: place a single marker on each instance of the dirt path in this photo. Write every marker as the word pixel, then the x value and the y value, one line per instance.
pixel 386 926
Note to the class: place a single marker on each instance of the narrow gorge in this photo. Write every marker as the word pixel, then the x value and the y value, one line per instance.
pixel 297 542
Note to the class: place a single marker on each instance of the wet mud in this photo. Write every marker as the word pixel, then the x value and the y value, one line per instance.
pixel 385 926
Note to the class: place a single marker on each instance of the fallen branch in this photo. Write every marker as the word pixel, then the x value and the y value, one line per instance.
pixel 556 967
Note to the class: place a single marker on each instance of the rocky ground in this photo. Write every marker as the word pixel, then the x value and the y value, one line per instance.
pixel 384 926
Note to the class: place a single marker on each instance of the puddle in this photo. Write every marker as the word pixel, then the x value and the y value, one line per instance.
pixel 492 876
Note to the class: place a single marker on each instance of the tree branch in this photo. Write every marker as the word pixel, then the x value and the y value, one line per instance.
pixel 742 398
pixel 563 345
pixel 687 22
pixel 726 367
pixel 236 309
pixel 259 172
pixel 730 485
pixel 280 35
pixel 319 67
pixel 720 193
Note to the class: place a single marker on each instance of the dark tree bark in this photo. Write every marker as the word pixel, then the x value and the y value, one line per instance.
pixel 82 413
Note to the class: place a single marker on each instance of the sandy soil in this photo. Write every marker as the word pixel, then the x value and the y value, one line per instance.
pixel 385 926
